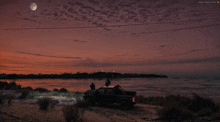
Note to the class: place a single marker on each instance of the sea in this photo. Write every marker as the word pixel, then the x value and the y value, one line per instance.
pixel 206 87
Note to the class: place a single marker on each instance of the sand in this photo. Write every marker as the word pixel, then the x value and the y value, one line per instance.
pixel 28 111
pixel 19 111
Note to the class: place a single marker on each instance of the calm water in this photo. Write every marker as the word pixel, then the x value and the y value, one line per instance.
pixel 209 87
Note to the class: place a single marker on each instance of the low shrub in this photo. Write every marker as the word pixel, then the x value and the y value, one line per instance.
pixel 3 85
pixel 53 102
pixel 173 114
pixel 176 107
pixel 63 90
pixel 199 103
pixel 140 99
pixel 78 92
pixel 27 88
pixel 40 89
pixel 24 94
pixel 71 113
pixel 216 116
pixel 11 84
pixel 43 103
pixel 204 112
pixel 18 87
pixel 74 112
pixel 82 104
pixel 150 100
pixel 10 97
pixel 55 90
pixel 53 93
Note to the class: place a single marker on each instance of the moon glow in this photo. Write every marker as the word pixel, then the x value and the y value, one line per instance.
pixel 33 6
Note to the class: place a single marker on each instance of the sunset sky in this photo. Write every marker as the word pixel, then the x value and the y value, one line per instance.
pixel 177 38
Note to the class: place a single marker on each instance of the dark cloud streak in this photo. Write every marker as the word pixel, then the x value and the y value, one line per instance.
pixel 187 52
pixel 48 55
pixel 77 40
pixel 92 63
pixel 179 29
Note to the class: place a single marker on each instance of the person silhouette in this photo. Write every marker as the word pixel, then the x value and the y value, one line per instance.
pixel 92 86
pixel 107 83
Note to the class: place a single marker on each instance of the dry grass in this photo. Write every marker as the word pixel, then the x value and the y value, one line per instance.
pixel 75 112
pixel 178 108
pixel 71 113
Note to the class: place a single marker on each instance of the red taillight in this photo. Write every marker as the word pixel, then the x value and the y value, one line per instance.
pixel 133 99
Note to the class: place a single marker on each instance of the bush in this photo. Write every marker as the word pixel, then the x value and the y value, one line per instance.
pixel 205 112
pixel 170 114
pixel 40 89
pixel 199 103
pixel 55 89
pixel 71 113
pixel 18 87
pixel 180 107
pixel 12 84
pixel 24 94
pixel 3 85
pixel 63 90
pixel 43 102
pixel 27 88
pixel 140 99
pixel 82 104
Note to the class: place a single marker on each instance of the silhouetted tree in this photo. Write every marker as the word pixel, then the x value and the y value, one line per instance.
pixel 63 90
pixel 40 89
pixel 55 89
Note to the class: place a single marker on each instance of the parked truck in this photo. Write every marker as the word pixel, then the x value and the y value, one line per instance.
pixel 106 95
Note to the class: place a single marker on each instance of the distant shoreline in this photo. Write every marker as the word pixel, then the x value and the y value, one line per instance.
pixel 96 75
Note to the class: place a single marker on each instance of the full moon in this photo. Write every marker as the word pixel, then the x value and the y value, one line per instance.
pixel 33 6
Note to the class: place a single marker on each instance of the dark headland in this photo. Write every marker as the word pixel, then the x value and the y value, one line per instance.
pixel 96 75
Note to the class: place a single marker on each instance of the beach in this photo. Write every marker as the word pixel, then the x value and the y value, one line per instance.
pixel 28 110
pixel 28 105
pixel 19 111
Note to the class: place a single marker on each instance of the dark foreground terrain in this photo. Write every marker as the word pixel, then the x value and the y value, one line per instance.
pixel 15 108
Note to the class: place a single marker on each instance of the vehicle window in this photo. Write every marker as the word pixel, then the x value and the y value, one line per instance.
pixel 109 91
pixel 119 92
pixel 100 91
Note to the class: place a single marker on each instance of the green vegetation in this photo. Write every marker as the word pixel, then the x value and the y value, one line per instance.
pixel 179 108
pixel 52 94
